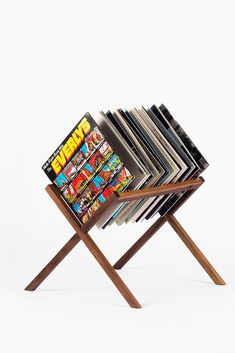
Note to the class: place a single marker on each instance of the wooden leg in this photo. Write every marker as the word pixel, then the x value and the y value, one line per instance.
pixel 91 245
pixel 194 249
pixel 108 268
pixel 139 243
pixel 53 263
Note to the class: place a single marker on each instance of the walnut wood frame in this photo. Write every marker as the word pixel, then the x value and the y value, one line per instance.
pixel 118 197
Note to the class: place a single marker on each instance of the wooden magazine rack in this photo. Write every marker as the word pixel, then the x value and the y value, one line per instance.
pixel 118 197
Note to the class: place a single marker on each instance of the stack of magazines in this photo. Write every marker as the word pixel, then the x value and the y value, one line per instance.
pixel 129 149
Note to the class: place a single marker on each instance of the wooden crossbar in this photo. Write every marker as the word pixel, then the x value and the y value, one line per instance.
pixel 167 189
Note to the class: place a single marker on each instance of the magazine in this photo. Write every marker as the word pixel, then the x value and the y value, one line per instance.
pixel 86 169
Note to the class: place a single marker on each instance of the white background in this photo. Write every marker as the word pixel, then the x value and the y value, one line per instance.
pixel 58 60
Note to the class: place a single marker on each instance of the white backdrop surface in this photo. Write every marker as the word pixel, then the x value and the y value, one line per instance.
pixel 58 60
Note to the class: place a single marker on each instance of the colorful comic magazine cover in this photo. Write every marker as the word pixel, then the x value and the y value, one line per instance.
pixel 86 169
pixel 76 148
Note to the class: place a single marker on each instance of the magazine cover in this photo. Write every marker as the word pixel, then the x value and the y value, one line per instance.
pixel 86 169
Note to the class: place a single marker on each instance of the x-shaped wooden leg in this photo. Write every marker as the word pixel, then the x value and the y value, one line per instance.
pixel 82 234
pixel 183 236
pixel 194 250
pixel 53 263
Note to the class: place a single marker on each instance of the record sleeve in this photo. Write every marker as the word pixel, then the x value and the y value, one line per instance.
pixel 136 167
pixel 194 151
pixel 178 161
pixel 169 133
pixel 86 169
pixel 136 145
pixel 196 157
pixel 160 152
